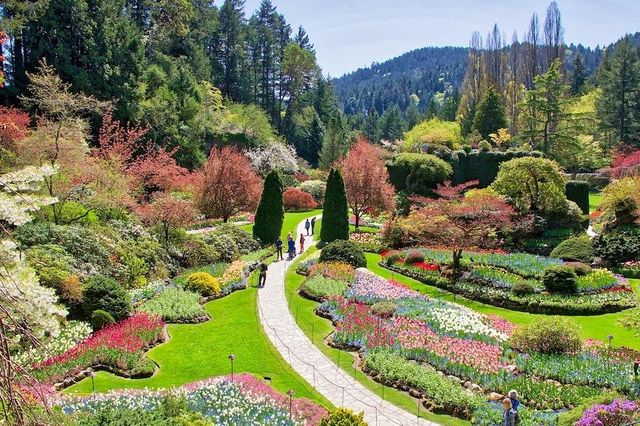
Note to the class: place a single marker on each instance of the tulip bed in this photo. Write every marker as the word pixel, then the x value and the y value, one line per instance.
pixel 119 348
pixel 443 350
pixel 514 281
pixel 243 400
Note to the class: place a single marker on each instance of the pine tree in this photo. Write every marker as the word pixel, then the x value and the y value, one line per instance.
pixel 490 115
pixel 579 75
pixel 335 214
pixel 619 76
pixel 335 143
pixel 270 214
pixel 371 126
pixel 392 124
pixel 312 143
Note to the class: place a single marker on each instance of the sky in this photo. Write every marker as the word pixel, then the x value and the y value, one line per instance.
pixel 349 34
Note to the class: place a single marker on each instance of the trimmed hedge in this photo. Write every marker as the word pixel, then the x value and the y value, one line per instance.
pixel 482 165
pixel 418 173
pixel 335 215
pixel 560 279
pixel 578 192
pixel 270 214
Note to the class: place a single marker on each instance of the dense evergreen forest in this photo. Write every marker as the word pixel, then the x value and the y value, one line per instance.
pixel 196 73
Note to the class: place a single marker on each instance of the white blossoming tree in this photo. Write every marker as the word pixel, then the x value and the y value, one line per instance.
pixel 28 311
pixel 277 156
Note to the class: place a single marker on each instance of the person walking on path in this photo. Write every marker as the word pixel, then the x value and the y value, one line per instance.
pixel 279 249
pixel 292 248
pixel 263 274
pixel 508 413
pixel 313 224
pixel 307 225
pixel 515 404
pixel 301 243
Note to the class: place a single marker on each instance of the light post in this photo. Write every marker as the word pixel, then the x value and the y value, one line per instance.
pixel 290 393
pixel 232 357
pixel 92 374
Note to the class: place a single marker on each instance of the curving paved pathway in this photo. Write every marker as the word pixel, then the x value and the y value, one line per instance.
pixel 326 377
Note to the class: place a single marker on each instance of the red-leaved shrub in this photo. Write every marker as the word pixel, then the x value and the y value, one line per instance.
pixel 295 199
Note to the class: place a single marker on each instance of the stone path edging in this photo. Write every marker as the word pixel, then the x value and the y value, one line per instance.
pixel 307 360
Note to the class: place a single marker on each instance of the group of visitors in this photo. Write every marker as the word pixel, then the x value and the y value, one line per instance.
pixel 309 225
pixel 510 407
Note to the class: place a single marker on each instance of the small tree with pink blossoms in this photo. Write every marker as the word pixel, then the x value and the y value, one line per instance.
pixel 167 212
pixel 458 220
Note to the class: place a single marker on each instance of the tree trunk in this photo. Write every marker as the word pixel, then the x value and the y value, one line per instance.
pixel 456 264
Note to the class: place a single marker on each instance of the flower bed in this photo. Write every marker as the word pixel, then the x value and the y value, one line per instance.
pixel 320 288
pixel 119 348
pixel 442 351
pixel 74 332
pixel 494 286
pixel 243 401
pixel 619 412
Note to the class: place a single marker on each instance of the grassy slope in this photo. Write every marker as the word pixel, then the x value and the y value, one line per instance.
pixel 317 328
pixel 594 326
pixel 199 351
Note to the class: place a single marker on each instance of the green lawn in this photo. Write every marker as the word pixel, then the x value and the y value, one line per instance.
pixel 593 326
pixel 595 198
pixel 291 222
pixel 199 351
pixel 317 328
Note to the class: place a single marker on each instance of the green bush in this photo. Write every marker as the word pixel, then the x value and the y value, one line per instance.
pixel 320 288
pixel 344 251
pixel 101 319
pixel 202 283
pixel 51 262
pixel 482 166
pixel 244 241
pixel 577 248
pixel 414 256
pixel 335 216
pixel 418 173
pixel 581 269
pixel 523 288
pixel 175 305
pixel 560 279
pixel 196 252
pixel 484 146
pixel 618 246
pixel 103 293
pixel 316 188
pixel 578 192
pixel 224 245
pixel 270 214
pixel 343 417
pixel 547 335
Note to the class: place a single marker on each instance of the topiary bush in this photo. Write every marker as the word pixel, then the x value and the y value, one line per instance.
pixel 202 283
pixel 414 256
pixel 547 335
pixel 344 251
pixel 522 288
pixel 577 248
pixel 103 293
pixel 101 319
pixel 560 279
pixel 270 214
pixel 343 417
pixel 335 216
pixel 578 192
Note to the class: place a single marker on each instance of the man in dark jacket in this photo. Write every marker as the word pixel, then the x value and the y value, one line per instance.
pixel 279 249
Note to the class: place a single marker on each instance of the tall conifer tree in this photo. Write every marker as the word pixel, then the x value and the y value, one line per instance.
pixel 335 215
pixel 270 213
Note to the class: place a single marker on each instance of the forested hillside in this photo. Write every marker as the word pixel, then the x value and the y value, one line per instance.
pixel 168 65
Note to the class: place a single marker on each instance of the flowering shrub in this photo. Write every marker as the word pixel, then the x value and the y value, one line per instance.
pixel 233 274
pixel 392 256
pixel 297 200
pixel 619 412
pixel 334 270
pixel 413 256
pixel 120 347
pixel 243 401
pixel 203 283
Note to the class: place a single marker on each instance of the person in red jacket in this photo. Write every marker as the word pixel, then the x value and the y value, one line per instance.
pixel 301 243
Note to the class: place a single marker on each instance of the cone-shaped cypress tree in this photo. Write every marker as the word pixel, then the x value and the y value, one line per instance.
pixel 335 213
pixel 270 213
